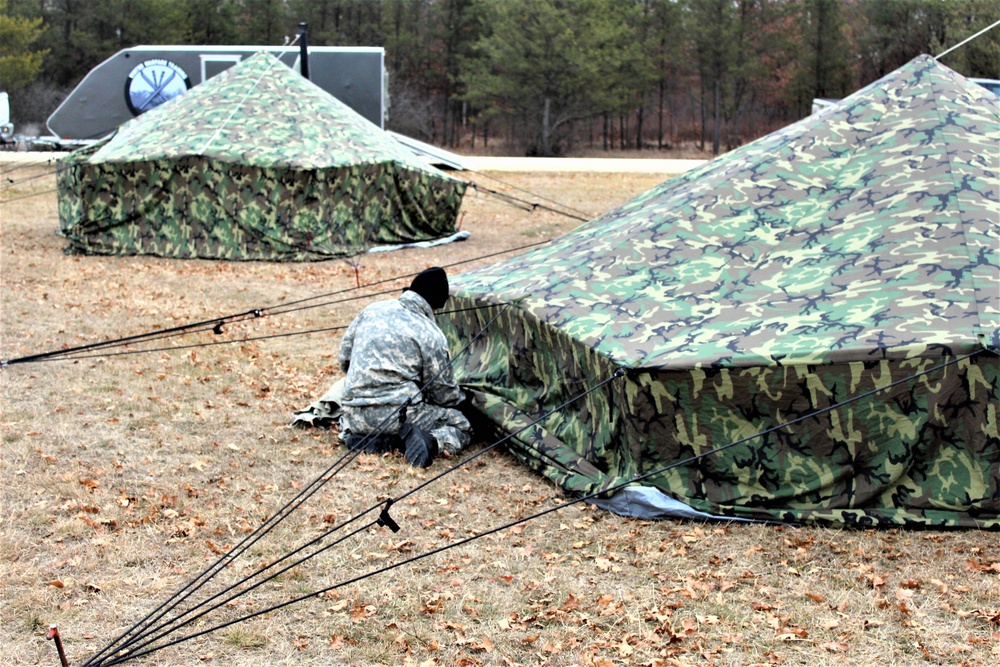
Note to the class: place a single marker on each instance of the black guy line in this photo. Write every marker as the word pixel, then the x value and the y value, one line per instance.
pixel 318 483
pixel 564 505
pixel 533 194
pixel 137 653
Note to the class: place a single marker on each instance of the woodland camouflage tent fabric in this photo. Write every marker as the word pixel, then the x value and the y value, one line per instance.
pixel 257 163
pixel 828 263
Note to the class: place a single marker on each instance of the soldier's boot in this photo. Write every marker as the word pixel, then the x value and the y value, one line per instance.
pixel 419 446
pixel 373 443
pixel 354 441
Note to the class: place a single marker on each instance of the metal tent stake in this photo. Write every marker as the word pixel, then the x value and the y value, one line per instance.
pixel 53 633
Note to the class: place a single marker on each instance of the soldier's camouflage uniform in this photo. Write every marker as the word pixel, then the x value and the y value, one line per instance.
pixel 394 352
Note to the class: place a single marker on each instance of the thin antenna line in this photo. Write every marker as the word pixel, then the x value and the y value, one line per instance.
pixel 967 39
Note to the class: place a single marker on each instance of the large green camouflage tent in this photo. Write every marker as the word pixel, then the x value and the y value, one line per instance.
pixel 833 287
pixel 257 163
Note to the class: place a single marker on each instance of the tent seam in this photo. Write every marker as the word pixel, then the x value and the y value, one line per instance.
pixel 979 332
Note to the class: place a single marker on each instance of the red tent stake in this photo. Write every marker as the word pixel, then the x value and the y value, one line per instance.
pixel 53 633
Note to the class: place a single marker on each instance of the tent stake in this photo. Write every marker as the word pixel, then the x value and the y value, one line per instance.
pixel 53 633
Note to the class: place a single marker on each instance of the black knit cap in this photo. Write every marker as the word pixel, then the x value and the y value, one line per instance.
pixel 432 284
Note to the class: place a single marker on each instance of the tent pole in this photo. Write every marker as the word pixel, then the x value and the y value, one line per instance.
pixel 304 49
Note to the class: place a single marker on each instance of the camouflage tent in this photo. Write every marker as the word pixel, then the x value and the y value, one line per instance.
pixel 256 163
pixel 796 288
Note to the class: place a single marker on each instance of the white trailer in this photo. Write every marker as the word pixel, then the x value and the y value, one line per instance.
pixel 137 79
pixel 6 127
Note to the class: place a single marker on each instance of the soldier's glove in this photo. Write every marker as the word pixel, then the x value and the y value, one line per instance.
pixel 419 446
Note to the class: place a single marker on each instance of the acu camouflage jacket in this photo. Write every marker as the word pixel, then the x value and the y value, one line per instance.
pixel 391 350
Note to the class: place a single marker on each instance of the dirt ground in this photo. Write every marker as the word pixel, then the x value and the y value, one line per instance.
pixel 123 477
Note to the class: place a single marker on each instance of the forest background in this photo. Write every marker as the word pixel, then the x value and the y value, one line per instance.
pixel 535 77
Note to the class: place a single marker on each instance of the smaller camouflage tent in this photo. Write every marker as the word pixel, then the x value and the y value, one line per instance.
pixel 256 163
pixel 825 299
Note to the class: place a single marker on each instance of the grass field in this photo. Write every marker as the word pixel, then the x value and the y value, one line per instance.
pixel 125 476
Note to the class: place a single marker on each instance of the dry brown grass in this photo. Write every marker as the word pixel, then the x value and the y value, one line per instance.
pixel 123 476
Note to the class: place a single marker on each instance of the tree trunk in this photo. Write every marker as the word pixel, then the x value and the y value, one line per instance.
pixel 718 119
pixel 659 122
pixel 638 130
pixel 546 143
pixel 704 117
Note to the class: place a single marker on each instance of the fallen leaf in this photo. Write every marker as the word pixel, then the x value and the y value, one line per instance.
pixel 980 565
pixel 572 603
pixel 552 647
pixel 991 616
pixel 790 633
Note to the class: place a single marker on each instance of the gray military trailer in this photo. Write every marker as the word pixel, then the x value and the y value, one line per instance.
pixel 137 79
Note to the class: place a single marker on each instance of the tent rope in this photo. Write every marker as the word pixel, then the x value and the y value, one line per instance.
pixel 966 40
pixel 520 189
pixel 136 650
pixel 215 323
pixel 69 355
pixel 27 179
pixel 602 492
pixel 230 556
pixel 237 107
pixel 28 164
pixel 522 203
pixel 27 196
pixel 271 523
pixel 218 322
pixel 176 348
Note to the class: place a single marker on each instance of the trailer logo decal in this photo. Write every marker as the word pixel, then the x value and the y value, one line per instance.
pixel 153 82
